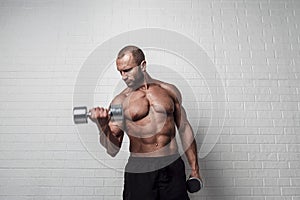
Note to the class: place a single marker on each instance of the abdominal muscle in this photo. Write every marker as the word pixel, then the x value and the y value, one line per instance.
pixel 155 138
pixel 161 147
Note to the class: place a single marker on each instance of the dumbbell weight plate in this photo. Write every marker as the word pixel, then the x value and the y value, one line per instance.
pixel 193 184
pixel 80 115
pixel 116 112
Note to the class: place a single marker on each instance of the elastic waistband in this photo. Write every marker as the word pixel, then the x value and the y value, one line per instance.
pixel 149 164
pixel 154 159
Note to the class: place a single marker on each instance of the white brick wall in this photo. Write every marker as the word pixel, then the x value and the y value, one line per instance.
pixel 254 44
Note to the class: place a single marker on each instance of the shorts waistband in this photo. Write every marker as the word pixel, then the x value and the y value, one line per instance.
pixel 172 157
pixel 148 164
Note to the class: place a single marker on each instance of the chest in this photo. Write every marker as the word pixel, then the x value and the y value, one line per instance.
pixel 142 103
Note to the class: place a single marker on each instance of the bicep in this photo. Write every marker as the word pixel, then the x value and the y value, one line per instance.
pixel 176 96
pixel 181 118
pixel 179 113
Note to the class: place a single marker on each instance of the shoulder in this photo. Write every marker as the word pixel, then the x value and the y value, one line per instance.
pixel 119 98
pixel 172 90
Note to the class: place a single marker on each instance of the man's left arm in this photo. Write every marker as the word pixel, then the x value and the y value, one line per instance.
pixel 188 142
pixel 185 132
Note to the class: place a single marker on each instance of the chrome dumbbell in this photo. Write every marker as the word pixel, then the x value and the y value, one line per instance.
pixel 194 184
pixel 81 113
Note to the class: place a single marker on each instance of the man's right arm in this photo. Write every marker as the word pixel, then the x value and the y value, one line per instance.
pixel 111 135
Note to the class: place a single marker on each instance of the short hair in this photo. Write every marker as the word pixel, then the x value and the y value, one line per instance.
pixel 136 52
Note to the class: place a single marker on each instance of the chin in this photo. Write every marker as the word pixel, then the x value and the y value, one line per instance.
pixel 132 86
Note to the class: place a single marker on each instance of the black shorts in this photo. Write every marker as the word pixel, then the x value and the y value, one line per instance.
pixel 164 183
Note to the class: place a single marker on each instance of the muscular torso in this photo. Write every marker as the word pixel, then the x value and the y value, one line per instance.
pixel 149 120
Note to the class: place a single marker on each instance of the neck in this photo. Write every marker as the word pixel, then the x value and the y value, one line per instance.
pixel 145 82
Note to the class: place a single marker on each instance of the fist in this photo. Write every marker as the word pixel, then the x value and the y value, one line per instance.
pixel 195 173
pixel 100 114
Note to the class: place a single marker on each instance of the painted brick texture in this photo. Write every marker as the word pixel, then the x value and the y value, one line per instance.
pixel 254 45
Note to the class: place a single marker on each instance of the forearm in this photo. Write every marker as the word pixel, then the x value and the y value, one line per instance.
pixel 109 131
pixel 109 141
pixel 191 154
pixel 190 147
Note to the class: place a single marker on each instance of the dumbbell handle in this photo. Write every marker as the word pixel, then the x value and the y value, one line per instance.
pixel 88 114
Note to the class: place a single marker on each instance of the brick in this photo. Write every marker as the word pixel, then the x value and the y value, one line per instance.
pixel 294 164
pixel 243 131
pixel 289 173
pixel 94 182
pixel 242 114
pixel 294 191
pixel 246 148
pixel 248 182
pixel 291 139
pixel 236 173
pixel 275 165
pixel 273 148
pixel 295 182
pixel 219 165
pixel 255 156
pixel 234 139
pixel 213 156
pixel 214 173
pixel 271 131
pixel 269 115
pixel 261 139
pixel 293 148
pixel 250 198
pixel 274 182
pixel 263 106
pixel 278 198
pixel 234 156
pixel 247 165
pixel 288 156
pixel 266 191
pixel 270 173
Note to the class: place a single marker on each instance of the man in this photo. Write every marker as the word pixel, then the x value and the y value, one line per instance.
pixel 152 111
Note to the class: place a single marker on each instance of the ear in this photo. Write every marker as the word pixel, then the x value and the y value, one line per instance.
pixel 143 65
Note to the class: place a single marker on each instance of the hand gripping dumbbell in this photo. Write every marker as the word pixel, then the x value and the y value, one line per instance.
pixel 81 113
pixel 194 184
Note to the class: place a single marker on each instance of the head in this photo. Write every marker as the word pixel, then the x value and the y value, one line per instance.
pixel 132 66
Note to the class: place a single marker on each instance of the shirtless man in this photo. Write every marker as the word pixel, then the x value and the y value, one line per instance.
pixel 152 112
